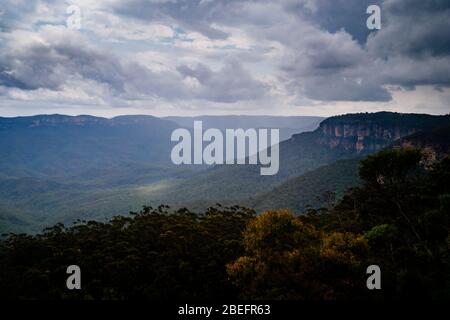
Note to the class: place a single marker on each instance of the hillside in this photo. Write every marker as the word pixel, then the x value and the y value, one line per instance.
pixel 337 138
pixel 61 168
pixel 54 146
pixel 48 177
pixel 428 132
pixel 436 140
pixel 317 188
pixel 221 253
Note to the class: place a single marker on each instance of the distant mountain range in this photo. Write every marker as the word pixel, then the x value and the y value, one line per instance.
pixel 334 140
pixel 70 166
pixel 288 125
pixel 60 168
pixel 56 146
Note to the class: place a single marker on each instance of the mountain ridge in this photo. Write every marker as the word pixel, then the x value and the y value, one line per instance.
pixel 109 187
pixel 302 153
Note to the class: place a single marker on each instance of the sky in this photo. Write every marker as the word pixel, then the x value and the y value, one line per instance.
pixel 221 57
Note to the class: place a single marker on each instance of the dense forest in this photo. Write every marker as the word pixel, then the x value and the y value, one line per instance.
pixel 398 218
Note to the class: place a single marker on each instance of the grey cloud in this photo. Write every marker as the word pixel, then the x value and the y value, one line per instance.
pixel 51 66
pixel 413 7
pixel 414 28
pixel 32 68
pixel 408 72
pixel 200 15
pixel 230 84
pixel 12 12
pixel 15 14
pixel 329 53
pixel 333 16
pixel 412 48
pixel 194 15
pixel 331 67
pixel 322 53
pixel 341 88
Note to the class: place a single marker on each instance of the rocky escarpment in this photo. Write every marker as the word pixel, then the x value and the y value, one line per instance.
pixel 362 137
pixel 435 143
pixel 365 133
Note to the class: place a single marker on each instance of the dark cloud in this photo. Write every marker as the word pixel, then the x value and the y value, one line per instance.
pixel 331 67
pixel 413 28
pixel 52 65
pixel 409 72
pixel 194 15
pixel 336 15
pixel 33 68
pixel 412 48
pixel 325 51
pixel 414 7
pixel 322 53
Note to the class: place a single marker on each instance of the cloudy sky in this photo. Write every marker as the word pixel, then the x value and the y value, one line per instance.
pixel 190 57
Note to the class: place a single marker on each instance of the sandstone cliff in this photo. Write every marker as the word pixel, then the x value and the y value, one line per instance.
pixel 364 133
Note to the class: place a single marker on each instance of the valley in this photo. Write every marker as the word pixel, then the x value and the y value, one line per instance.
pixel 61 169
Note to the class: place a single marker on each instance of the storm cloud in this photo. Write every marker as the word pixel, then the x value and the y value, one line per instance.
pixel 51 64
pixel 240 53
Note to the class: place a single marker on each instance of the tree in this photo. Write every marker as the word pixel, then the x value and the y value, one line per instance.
pixel 289 259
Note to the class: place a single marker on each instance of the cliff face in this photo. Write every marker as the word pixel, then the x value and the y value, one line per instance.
pixel 364 133
pixel 361 137
pixel 435 143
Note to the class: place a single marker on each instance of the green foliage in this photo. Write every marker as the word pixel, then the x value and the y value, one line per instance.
pixel 317 188
pixel 381 233
pixel 153 254
pixel 398 218
pixel 289 259
pixel 57 168
pixel 390 166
